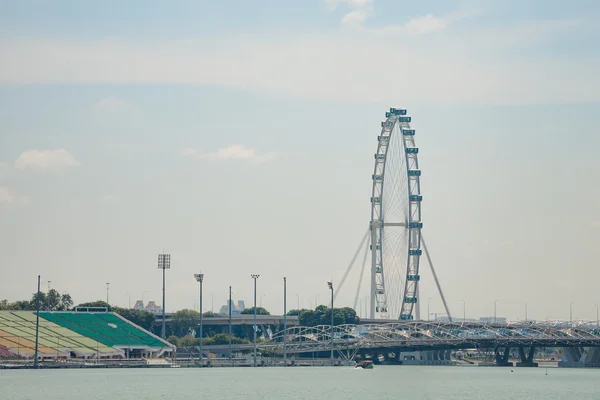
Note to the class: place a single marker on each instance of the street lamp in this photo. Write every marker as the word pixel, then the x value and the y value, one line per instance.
pixel 37 324
pixel 525 310
pixel 200 279
pixel 495 304
pixel 230 353
pixel 596 305
pixel 164 263
pixel 255 277
pixel 107 284
pixel 330 284
pixel 571 312
pixel 284 322
pixel 464 311
pixel 428 301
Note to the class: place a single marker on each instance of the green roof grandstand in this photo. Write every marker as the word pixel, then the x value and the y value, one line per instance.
pixel 75 335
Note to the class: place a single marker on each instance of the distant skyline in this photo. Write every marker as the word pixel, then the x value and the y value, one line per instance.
pixel 238 136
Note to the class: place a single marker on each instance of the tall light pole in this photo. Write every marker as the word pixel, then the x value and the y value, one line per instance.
pixel 525 311
pixel 49 282
pixel 212 303
pixel 330 284
pixel 428 301
pixel 571 312
pixel 596 305
pixel 37 324
pixel 298 300
pixel 200 279
pixel 495 304
pixel 255 277
pixel 164 263
pixel 464 311
pixel 284 322
pixel 230 353
pixel 107 284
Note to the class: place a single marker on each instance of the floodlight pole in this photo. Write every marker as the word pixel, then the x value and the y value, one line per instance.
pixel 255 277
pixel 37 324
pixel 200 278
pixel 164 263
pixel 107 284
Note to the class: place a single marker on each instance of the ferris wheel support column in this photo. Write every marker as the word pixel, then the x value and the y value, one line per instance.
pixel 373 273
pixel 418 306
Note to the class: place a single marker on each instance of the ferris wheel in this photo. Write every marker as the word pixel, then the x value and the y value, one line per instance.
pixel 396 219
pixel 394 238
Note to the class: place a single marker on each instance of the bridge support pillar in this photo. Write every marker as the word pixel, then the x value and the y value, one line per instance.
pixel 579 357
pixel 502 357
pixel 526 358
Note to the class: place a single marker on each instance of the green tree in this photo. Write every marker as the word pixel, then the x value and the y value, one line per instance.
pixel 189 341
pixel 223 338
pixel 66 302
pixel 259 311
pixel 174 340
pixel 23 305
pixel 210 314
pixel 184 321
pixel 142 318
pixel 51 301
pixel 322 316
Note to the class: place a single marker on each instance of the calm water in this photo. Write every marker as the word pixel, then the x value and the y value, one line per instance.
pixel 382 383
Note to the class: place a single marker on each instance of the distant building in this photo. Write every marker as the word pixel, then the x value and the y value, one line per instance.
pixel 235 309
pixel 153 308
pixel 150 307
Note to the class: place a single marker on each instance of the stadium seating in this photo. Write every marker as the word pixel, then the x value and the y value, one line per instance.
pixel 103 327
pixel 73 334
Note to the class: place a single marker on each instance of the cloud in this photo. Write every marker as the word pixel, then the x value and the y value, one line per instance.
pixel 41 160
pixel 354 18
pixel 111 106
pixel 500 65
pixel 234 152
pixel 333 4
pixel 424 24
pixel 420 25
pixel 8 196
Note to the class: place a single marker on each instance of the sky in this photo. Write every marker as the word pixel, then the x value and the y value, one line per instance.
pixel 238 136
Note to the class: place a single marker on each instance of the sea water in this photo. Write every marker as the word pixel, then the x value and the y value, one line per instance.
pixel 383 382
